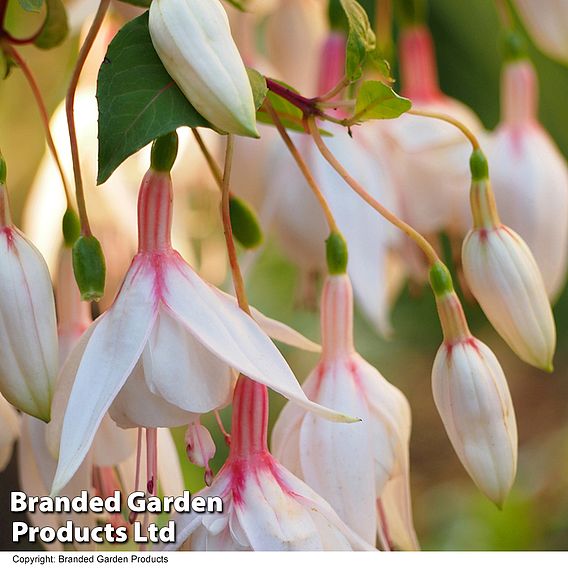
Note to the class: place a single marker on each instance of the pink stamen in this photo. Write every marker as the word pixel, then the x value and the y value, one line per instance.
pixel 152 460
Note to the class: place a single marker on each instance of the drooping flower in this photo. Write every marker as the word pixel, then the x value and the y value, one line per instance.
pixel 505 279
pixel 194 42
pixel 547 24
pixel 165 350
pixel 473 399
pixel 430 156
pixel 529 175
pixel 28 339
pixel 265 507
pixel 362 469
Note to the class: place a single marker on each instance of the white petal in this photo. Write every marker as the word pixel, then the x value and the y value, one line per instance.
pixel 112 444
pixel 28 337
pixel 337 459
pixel 182 371
pixel 110 356
pixel 9 431
pixel 232 335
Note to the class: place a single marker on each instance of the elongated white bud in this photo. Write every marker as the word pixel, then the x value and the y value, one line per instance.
pixel 28 338
pixel 472 397
pixel 504 278
pixel 193 40
pixel 200 448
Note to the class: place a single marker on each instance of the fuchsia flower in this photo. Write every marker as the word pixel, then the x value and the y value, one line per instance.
pixel 165 350
pixel 529 175
pixel 430 156
pixel 265 507
pixel 361 469
pixel 28 339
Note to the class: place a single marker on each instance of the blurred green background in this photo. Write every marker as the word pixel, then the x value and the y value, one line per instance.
pixel 450 513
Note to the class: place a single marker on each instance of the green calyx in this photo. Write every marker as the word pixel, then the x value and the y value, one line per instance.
pixel 71 227
pixel 478 165
pixel 244 223
pixel 514 46
pixel 164 152
pixel 440 279
pixel 336 254
pixel 3 170
pixel 89 268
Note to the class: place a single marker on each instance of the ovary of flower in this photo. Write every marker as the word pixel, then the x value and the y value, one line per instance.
pixel 265 508
pixel 165 349
pixel 361 469
pixel 28 340
pixel 529 175
pixel 472 397
pixel 504 278
pixel 194 42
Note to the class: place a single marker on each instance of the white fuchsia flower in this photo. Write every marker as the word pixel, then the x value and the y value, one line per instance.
pixel 547 23
pixel 165 350
pixel 362 470
pixel 505 279
pixel 265 507
pixel 28 339
pixel 529 175
pixel 430 157
pixel 193 40
pixel 473 399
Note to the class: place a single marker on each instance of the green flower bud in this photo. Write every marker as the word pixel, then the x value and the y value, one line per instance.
pixel 478 165
pixel 71 227
pixel 336 254
pixel 440 279
pixel 244 222
pixel 89 268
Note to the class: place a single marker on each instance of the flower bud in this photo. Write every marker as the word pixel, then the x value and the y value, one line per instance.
pixel 89 268
pixel 28 339
pixel 194 42
pixel 200 448
pixel 244 223
pixel 504 278
pixel 472 397
pixel 71 227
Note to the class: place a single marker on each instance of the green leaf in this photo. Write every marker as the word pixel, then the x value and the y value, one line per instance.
pixel 55 27
pixel 259 88
pixel 31 5
pixel 377 100
pixel 138 101
pixel 139 3
pixel 360 41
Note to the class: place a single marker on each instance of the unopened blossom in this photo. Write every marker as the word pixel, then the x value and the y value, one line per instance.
pixel 429 156
pixel 295 33
pixel 200 447
pixel 505 279
pixel 529 175
pixel 473 399
pixel 9 431
pixel 28 340
pixel 303 230
pixel 193 40
pixel 166 349
pixel 546 23
pixel 361 469
pixel 265 507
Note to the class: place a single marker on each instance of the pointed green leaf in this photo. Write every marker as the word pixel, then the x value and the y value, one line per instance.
pixel 377 100
pixel 259 88
pixel 55 27
pixel 360 41
pixel 138 100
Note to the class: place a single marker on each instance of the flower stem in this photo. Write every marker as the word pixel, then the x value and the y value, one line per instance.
pixel 228 230
pixel 424 245
pixel 343 83
pixel 303 168
pixel 215 170
pixel 43 114
pixel 450 120
pixel 69 108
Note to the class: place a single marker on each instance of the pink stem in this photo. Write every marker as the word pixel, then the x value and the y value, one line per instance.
pixel 337 317
pixel 519 93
